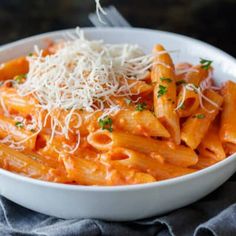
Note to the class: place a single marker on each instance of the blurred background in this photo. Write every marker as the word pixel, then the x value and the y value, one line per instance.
pixel 213 21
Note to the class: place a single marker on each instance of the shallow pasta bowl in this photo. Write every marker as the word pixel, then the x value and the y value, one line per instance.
pixel 122 202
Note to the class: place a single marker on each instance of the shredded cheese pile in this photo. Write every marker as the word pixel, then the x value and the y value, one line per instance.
pixel 84 74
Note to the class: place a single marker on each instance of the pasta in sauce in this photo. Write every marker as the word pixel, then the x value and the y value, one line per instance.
pixel 88 113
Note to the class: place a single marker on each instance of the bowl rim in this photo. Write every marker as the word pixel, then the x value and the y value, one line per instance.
pixel 119 188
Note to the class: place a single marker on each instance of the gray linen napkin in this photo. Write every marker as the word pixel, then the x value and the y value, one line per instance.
pixel 214 215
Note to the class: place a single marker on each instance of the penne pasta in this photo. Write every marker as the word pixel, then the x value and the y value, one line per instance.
pixel 229 148
pixel 16 131
pixel 89 172
pixel 228 125
pixel 204 162
pixel 111 115
pixel 16 104
pixel 164 94
pixel 200 121
pixel 20 163
pixel 14 67
pixel 145 163
pixel 189 99
pixel 139 123
pixel 175 154
pixel 211 145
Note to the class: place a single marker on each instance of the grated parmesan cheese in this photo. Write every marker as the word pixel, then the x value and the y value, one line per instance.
pixel 99 10
pixel 82 75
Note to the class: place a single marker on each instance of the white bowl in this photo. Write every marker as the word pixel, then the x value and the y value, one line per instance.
pixel 122 203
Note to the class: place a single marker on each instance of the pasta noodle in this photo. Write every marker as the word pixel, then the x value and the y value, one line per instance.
pixel 228 128
pixel 88 113
pixel 164 97
pixel 174 154
pixel 201 120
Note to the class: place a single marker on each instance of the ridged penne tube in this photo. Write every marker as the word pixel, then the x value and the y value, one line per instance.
pixel 204 162
pixel 175 154
pixel 228 124
pixel 145 163
pixel 190 99
pixel 164 95
pixel 140 123
pixel 196 74
pixel 14 67
pixel 128 175
pixel 211 145
pixel 46 160
pixel 141 178
pixel 190 102
pixel 196 126
pixel 89 172
pixel 230 148
pixel 9 126
pixel 16 104
pixel 22 164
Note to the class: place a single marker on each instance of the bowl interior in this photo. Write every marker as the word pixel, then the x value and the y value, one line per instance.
pixel 185 50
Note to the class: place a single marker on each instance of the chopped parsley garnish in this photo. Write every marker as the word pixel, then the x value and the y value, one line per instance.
pixel 168 80
pixel 19 124
pixel 141 106
pixel 19 78
pixel 128 101
pixel 205 63
pixel 180 82
pixel 162 90
pixel 106 123
pixel 30 54
pixel 199 116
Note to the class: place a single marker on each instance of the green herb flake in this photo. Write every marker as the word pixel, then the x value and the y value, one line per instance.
pixel 168 80
pixel 30 54
pixel 180 82
pixel 199 116
pixel 19 124
pixel 182 107
pixel 106 123
pixel 162 90
pixel 128 101
pixel 206 64
pixel 141 106
pixel 19 78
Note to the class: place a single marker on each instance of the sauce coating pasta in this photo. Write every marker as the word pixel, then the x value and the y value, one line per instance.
pixel 89 113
